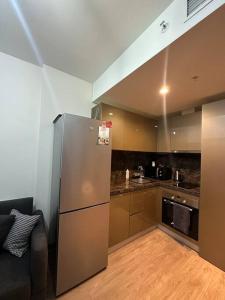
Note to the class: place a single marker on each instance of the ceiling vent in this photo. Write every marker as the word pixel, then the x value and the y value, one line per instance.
pixel 193 6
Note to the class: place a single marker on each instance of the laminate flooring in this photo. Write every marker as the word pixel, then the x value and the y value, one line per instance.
pixel 153 267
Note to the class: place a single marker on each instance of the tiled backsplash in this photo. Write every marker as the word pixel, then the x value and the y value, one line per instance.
pixel 188 163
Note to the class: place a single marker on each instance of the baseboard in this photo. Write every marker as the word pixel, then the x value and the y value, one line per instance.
pixel 132 238
pixel 179 238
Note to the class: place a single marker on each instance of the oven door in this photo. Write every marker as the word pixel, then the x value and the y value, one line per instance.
pixel 167 211
pixel 168 218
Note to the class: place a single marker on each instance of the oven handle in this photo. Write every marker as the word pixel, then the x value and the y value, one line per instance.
pixel 173 203
pixel 168 201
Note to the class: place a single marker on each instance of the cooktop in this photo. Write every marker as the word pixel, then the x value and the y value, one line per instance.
pixel 186 185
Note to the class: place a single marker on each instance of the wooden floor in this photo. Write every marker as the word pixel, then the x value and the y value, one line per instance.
pixel 153 267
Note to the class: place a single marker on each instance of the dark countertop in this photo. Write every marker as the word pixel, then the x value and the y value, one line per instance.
pixel 123 187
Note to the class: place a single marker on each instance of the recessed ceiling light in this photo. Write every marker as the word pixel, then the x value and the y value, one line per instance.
pixel 164 90
pixel 110 114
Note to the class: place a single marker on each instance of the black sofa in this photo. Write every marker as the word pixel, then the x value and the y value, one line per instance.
pixel 25 278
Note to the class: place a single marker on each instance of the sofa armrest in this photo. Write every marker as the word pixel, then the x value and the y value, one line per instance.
pixel 39 259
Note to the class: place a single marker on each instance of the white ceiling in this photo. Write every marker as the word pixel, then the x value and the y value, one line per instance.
pixel 80 37
pixel 200 52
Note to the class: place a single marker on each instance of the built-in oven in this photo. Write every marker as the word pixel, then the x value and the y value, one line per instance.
pixel 180 215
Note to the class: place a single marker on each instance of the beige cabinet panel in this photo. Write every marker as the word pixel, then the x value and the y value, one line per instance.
pixel 158 206
pixel 115 115
pixel 180 133
pixel 143 210
pixel 148 137
pixel 119 218
pixel 149 212
pixel 163 137
pixel 185 132
pixel 129 131
pixel 137 202
pixel 137 223
pixel 139 133
pixel 212 204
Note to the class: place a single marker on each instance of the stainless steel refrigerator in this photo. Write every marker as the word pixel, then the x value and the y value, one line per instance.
pixel 80 199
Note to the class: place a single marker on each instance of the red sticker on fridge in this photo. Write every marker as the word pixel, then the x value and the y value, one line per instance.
pixel 108 124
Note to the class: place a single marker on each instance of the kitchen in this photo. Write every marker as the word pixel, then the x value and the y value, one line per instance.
pixel 156 173
pixel 164 161
pixel 144 180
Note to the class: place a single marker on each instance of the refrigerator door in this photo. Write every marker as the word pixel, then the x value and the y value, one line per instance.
pixel 82 245
pixel 86 166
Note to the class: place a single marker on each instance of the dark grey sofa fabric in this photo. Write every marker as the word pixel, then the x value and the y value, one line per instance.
pixel 15 281
pixel 39 259
pixel 6 222
pixel 24 205
pixel 25 278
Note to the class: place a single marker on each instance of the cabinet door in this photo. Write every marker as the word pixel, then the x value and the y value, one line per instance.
pixel 142 210
pixel 178 139
pixel 130 131
pixel 139 133
pixel 137 201
pixel 180 133
pixel 149 212
pixel 119 218
pixel 115 115
pixel 185 132
pixel 137 223
pixel 163 137
pixel 149 136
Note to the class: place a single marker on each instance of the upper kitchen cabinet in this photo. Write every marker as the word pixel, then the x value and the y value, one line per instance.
pixel 185 132
pixel 129 131
pixel 163 137
pixel 117 117
pixel 180 133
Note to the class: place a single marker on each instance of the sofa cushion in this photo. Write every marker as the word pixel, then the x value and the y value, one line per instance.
pixel 6 222
pixel 17 241
pixel 14 276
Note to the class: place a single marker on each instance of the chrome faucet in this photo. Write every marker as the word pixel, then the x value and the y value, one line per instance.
pixel 141 171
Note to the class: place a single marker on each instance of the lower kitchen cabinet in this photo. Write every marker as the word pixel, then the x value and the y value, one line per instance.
pixel 150 207
pixel 119 218
pixel 131 213
pixel 137 201
pixel 142 210
pixel 137 223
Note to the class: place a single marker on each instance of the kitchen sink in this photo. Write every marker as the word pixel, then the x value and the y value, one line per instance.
pixel 141 180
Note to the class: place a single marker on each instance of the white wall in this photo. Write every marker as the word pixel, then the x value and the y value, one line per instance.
pixel 20 91
pixel 31 97
pixel 61 93
pixel 151 42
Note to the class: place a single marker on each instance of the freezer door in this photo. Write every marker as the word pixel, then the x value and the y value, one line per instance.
pixel 86 166
pixel 82 245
